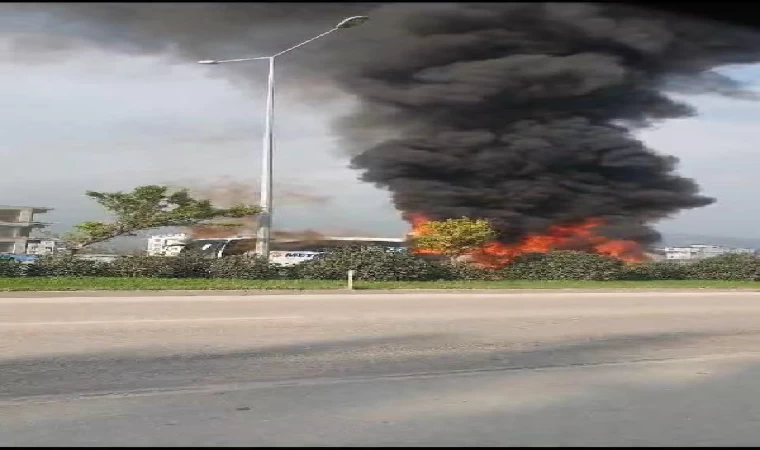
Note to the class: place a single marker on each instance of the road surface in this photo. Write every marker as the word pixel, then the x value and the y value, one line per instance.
pixel 455 369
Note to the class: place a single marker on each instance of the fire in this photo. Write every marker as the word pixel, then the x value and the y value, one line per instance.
pixel 580 236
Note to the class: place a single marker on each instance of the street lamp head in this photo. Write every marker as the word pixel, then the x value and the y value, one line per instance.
pixel 352 22
pixel 208 61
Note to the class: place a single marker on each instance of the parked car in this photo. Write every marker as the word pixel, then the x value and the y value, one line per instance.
pixel 26 259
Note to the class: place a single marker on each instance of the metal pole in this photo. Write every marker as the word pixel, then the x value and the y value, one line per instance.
pixel 350 280
pixel 265 217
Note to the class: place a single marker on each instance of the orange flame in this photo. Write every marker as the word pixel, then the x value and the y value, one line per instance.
pixel 558 237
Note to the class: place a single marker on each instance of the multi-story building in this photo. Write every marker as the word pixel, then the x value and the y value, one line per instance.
pixel 166 244
pixel 16 224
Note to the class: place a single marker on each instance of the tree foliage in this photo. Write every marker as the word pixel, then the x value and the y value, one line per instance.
pixel 454 237
pixel 148 207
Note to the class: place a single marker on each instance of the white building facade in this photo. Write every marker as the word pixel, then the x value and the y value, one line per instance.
pixel 166 244
pixel 700 251
pixel 16 224
pixel 44 246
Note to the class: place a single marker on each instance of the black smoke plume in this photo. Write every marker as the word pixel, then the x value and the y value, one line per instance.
pixel 521 113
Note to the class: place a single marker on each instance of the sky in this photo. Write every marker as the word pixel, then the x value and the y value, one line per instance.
pixel 101 120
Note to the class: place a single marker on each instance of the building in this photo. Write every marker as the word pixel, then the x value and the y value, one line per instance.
pixel 16 224
pixel 289 252
pixel 35 246
pixel 701 251
pixel 324 243
pixel 287 249
pixel 680 253
pixel 166 244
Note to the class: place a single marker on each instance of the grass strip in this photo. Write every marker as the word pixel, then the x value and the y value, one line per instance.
pixel 159 284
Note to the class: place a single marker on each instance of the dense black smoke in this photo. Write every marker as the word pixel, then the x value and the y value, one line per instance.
pixel 521 113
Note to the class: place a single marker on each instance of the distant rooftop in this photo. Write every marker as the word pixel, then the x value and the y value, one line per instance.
pixel 35 208
pixel 316 238
pixel 345 238
pixel 341 238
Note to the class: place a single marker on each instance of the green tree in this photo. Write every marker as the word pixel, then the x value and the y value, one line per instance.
pixel 148 207
pixel 454 237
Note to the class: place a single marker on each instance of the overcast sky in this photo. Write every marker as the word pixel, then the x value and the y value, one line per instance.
pixel 100 120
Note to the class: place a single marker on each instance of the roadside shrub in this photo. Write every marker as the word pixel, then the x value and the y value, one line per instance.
pixel 66 266
pixel 9 267
pixel 372 264
pixel 468 272
pixel 183 266
pixel 379 264
pixel 141 266
pixel 726 267
pixel 245 267
pixel 190 265
pixel 563 265
pixel 657 270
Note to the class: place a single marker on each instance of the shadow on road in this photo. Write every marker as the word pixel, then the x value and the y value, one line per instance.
pixel 388 355
pixel 696 402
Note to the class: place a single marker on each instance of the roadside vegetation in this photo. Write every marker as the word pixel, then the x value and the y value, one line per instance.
pixel 375 268
pixel 168 284
pixel 153 206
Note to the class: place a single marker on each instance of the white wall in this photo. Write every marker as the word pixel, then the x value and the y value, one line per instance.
pixel 166 244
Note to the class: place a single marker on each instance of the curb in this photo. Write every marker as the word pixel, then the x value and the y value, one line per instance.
pixel 264 292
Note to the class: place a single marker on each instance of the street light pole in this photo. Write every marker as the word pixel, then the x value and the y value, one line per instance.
pixel 263 235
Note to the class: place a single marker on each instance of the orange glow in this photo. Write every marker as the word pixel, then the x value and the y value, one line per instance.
pixel 559 237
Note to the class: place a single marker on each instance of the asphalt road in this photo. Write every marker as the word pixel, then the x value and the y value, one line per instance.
pixel 557 368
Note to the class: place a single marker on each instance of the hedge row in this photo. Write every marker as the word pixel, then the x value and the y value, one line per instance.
pixel 375 264
pixel 145 266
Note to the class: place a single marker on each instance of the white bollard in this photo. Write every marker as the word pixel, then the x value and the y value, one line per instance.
pixel 350 280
